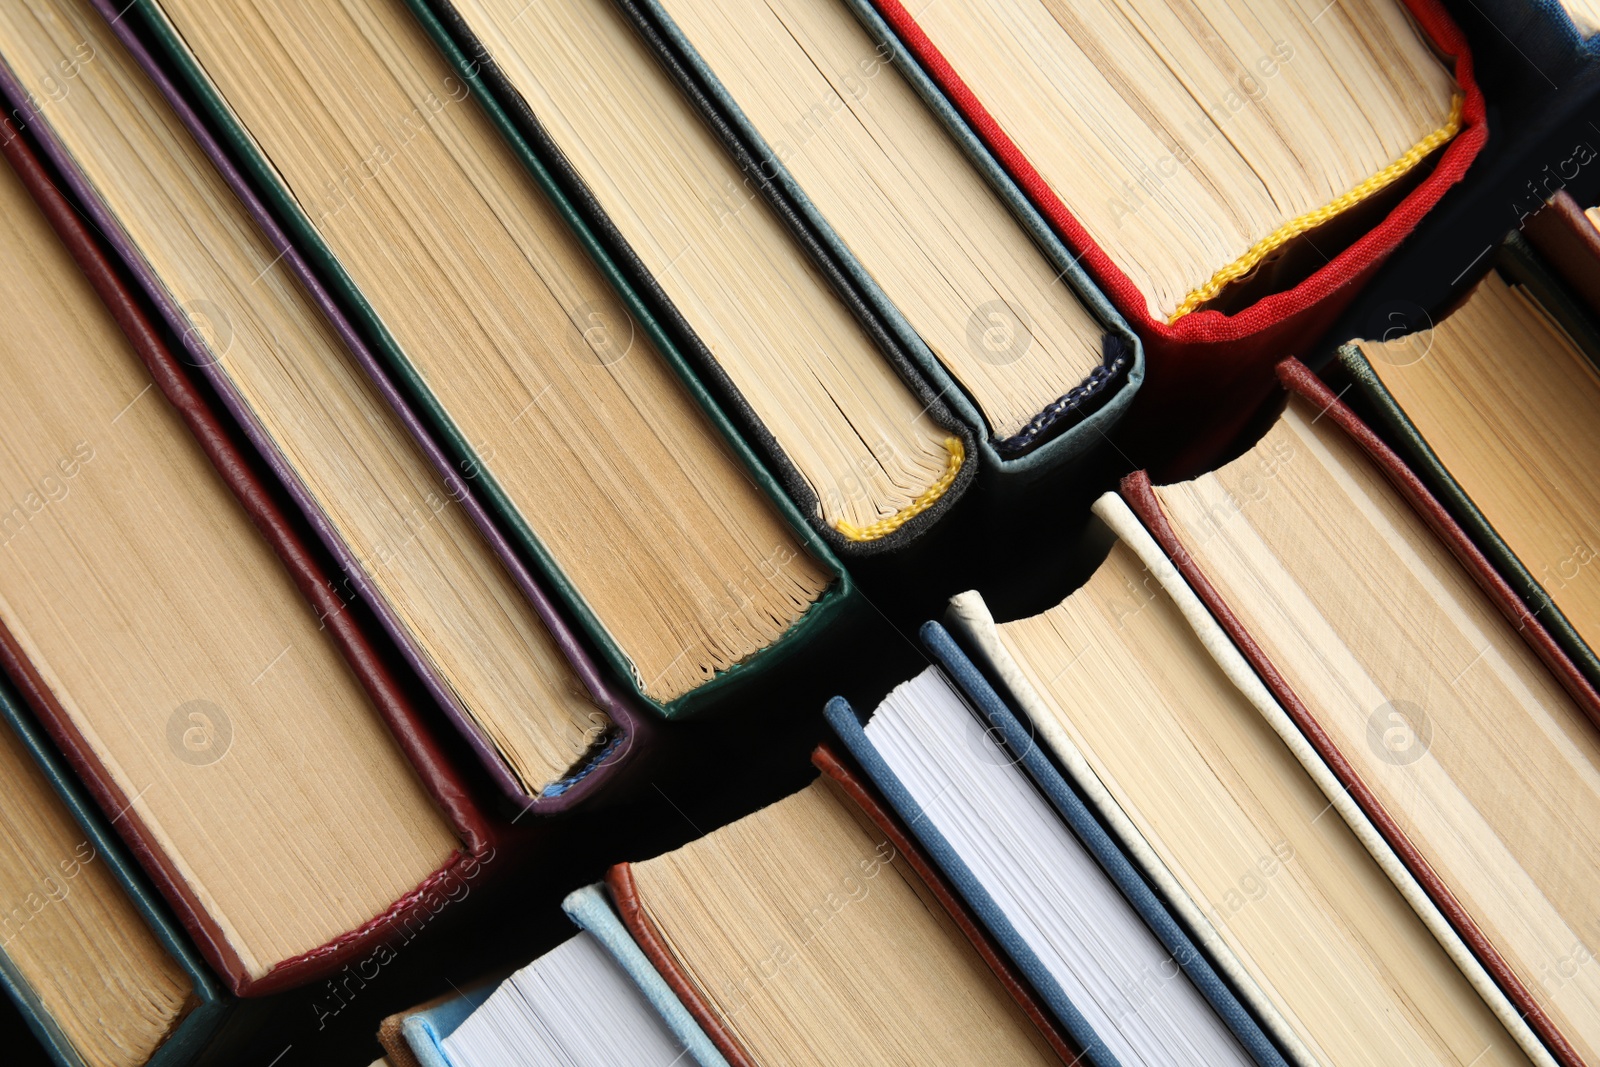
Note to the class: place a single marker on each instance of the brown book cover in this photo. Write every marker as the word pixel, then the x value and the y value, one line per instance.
pixel 1570 242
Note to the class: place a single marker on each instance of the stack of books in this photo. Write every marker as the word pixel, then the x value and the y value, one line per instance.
pixel 413 409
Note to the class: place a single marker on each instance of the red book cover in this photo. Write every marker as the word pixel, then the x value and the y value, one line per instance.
pixel 1210 371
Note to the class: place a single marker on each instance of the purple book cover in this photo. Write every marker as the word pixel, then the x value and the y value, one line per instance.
pixel 631 729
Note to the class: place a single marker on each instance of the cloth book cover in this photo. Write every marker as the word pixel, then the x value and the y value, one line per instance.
pixel 1207 353
pixel 252 176
pixel 973 627
pixel 1085 410
pixel 650 940
pixel 211 1005
pixel 589 909
pixel 1021 746
pixel 1519 263
pixel 1570 243
pixel 623 744
pixel 1139 495
pixel 528 136
pixel 456 799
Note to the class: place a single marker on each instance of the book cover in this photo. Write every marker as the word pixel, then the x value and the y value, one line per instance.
pixel 627 738
pixel 969 619
pixel 1570 242
pixel 1071 424
pixel 517 121
pixel 245 166
pixel 1371 398
pixel 1140 497
pixel 455 798
pixel 425 1029
pixel 1206 353
pixel 210 1007
pixel 650 940
pixel 1020 746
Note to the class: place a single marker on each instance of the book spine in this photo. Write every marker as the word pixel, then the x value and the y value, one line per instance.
pixel 592 912
pixel 1426 465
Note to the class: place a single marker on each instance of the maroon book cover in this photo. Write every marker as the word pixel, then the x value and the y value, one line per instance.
pixel 455 799
pixel 1570 242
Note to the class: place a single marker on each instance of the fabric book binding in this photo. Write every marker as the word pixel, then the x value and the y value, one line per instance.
pixel 455 798
pixel 1570 243
pixel 253 177
pixel 1206 352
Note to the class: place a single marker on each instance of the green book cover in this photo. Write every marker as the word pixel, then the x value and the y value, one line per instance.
pixel 840 598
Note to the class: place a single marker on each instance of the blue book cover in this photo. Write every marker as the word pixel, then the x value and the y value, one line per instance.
pixel 589 909
pixel 1008 731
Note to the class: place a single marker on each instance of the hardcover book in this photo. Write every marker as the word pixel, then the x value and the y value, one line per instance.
pixel 1444 707
pixel 408 533
pixel 88 955
pixel 1495 410
pixel 867 448
pixel 1568 237
pixel 592 1001
pixel 816 930
pixel 1230 193
pixel 1131 691
pixel 183 647
pixel 553 390
pixel 1009 333
pixel 1049 884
